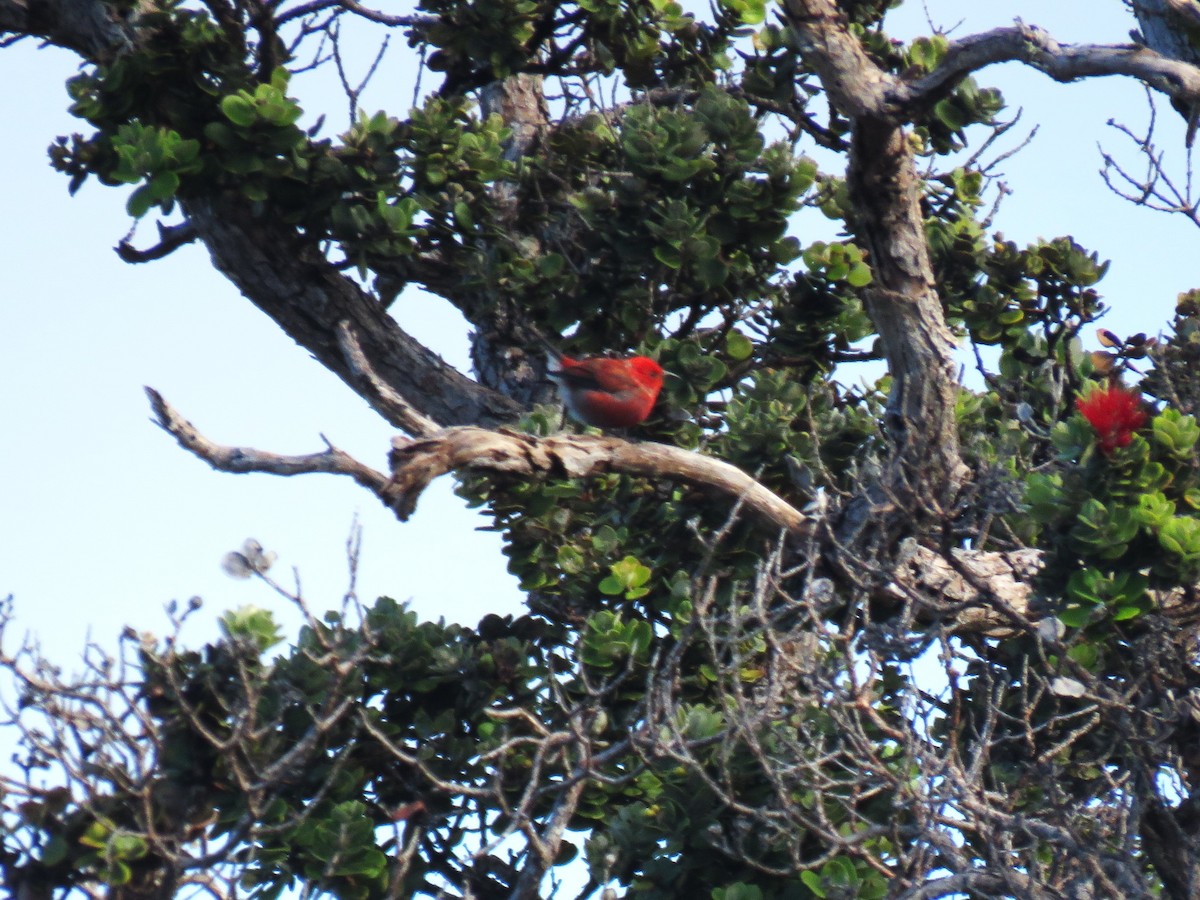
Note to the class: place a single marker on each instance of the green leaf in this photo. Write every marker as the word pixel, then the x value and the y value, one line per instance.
pixel 812 881
pixel 751 12
pixel 567 852
pixel 255 192
pixel 253 624
pixel 239 110
pixel 369 862
pixel 551 264
pixel 117 873
pixel 630 572
pixel 738 346
pixel 785 250
pixel 164 185
pixel 570 560
pixel 463 217
pixel 95 836
pixel 611 586
pixel 280 78
pixel 927 52
pixel 55 851
pixel 609 638
pixel 1175 432
pixel 668 256
pixel 140 201
pixel 738 891
pixel 949 115
pixel 859 275
pixel 1085 654
pixel 220 134
pixel 1181 535
pixel 1154 509
pixel 1076 616
pixel 242 164
pixel 605 539
pixel 127 846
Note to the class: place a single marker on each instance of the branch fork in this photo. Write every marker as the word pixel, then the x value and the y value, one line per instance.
pixel 981 592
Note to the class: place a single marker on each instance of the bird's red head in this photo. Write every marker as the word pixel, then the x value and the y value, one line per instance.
pixel 649 371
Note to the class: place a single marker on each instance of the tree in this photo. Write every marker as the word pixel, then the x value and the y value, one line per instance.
pixel 711 692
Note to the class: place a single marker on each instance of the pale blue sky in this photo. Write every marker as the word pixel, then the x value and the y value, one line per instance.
pixel 103 518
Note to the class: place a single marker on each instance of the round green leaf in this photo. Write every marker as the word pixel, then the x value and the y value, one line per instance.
pixel 238 110
pixel 738 346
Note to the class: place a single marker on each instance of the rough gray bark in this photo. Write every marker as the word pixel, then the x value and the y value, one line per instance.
pixel 902 300
pixel 1172 28
pixel 309 299
pixel 504 337
pixel 289 281
pixel 1036 48
pixel 961 591
pixel 1167 26
pixel 87 27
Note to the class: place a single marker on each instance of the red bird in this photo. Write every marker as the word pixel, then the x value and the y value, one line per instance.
pixel 606 393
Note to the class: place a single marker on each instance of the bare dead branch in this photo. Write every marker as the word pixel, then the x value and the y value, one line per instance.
pixel 373 15
pixel 1156 189
pixel 975 882
pixel 353 92
pixel 980 592
pixel 170 239
pixel 992 597
pixel 416 463
pixel 240 460
pixel 399 408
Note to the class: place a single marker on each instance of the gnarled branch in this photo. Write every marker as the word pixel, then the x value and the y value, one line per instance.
pixel 416 463
pixel 241 460
pixel 1063 62
pixel 977 592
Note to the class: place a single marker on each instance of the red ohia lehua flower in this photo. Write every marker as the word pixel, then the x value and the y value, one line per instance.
pixel 1114 413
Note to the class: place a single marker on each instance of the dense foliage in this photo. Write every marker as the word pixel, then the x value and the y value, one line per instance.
pixel 693 705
